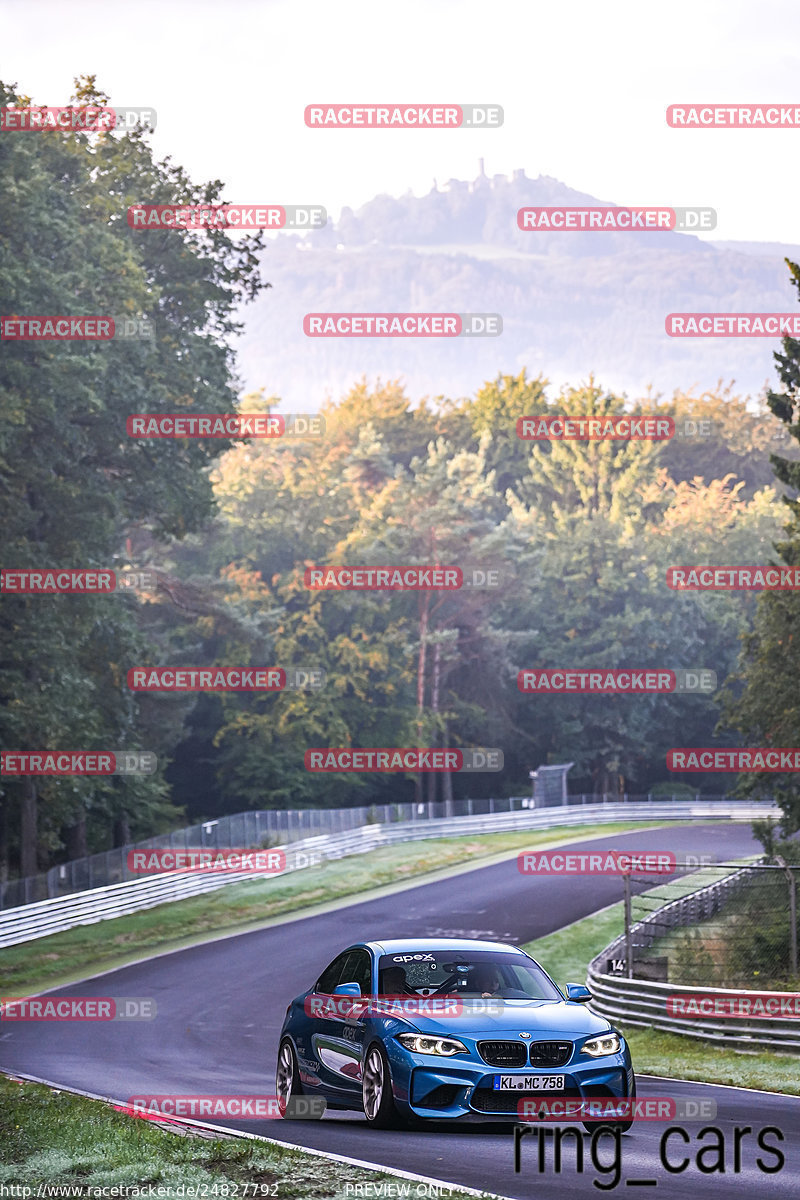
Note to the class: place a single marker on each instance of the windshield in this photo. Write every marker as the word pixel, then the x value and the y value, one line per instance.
pixel 473 974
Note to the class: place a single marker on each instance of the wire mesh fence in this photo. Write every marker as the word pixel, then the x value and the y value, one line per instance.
pixel 263 828
pixel 729 925
pixel 258 829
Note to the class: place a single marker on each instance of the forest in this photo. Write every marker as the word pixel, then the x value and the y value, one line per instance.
pixel 566 544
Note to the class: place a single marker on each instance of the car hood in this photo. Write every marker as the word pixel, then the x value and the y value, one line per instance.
pixel 543 1019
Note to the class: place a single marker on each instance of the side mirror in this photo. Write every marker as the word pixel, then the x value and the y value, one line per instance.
pixel 347 989
pixel 578 993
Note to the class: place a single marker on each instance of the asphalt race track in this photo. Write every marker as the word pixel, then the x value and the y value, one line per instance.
pixel 220 1008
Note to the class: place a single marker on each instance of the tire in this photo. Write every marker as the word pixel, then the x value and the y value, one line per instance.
pixel 618 1126
pixel 376 1090
pixel 287 1076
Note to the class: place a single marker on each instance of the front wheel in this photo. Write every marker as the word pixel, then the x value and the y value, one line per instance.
pixel 376 1089
pixel 287 1077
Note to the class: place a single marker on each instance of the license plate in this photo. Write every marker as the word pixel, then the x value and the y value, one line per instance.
pixel 529 1083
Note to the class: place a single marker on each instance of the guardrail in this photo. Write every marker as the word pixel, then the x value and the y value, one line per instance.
pixel 643 1003
pixel 32 921
pixel 274 827
pixel 640 1003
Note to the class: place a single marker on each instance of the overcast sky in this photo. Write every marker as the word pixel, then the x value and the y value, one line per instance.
pixel 584 86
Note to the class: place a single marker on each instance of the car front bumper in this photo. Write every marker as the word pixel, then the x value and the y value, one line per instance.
pixel 437 1090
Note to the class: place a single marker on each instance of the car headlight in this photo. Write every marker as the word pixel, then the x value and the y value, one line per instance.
pixel 607 1043
pixel 420 1043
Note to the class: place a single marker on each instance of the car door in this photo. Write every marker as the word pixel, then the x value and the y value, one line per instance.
pixel 339 1042
pixel 312 1070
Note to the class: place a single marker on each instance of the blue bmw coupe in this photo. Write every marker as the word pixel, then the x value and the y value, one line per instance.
pixel 445 1028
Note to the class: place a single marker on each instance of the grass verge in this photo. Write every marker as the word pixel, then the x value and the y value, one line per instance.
pixel 566 955
pixel 57 1139
pixel 63 958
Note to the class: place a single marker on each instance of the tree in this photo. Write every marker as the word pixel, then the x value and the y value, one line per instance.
pixel 582 548
pixel 762 700
pixel 612 521
pixel 76 490
pixel 740 436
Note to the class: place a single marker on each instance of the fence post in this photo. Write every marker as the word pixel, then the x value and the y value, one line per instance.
pixel 793 919
pixel 792 913
pixel 626 883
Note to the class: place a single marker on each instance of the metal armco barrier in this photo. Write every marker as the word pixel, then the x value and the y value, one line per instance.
pixel 32 921
pixel 276 827
pixel 640 1002
pixel 637 1002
